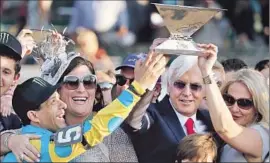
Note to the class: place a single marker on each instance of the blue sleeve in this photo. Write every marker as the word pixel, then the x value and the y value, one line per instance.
pixel 10 157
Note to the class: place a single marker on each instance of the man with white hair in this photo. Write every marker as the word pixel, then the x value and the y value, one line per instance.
pixel 164 124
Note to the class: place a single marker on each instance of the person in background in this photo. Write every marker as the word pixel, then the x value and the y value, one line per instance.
pixel 156 91
pixel 263 68
pixel 12 50
pixel 89 47
pixel 10 56
pixel 123 80
pixel 239 112
pixel 106 80
pixel 232 65
pixel 27 43
pixel 197 148
pixel 108 19
pixel 219 74
pixel 126 75
pixel 38 14
pixel 244 29
pixel 263 64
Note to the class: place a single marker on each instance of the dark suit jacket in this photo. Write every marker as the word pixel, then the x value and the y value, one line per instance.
pixel 159 142
pixel 10 122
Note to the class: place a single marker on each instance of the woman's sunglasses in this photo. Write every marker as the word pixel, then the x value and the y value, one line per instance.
pixel 73 82
pixel 181 85
pixel 121 80
pixel 242 103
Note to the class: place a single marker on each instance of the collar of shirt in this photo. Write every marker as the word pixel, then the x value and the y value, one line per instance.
pixel 36 130
pixel 199 127
pixel 183 119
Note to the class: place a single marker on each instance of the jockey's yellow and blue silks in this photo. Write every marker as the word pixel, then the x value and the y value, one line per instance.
pixel 102 124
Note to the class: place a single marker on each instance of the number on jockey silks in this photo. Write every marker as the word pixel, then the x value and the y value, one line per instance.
pixel 68 135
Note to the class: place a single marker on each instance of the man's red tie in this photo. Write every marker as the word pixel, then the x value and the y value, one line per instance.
pixel 189 125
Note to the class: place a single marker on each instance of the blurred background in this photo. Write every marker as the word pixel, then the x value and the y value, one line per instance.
pixel 113 29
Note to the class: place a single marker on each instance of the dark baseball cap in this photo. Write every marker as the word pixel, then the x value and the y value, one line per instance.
pixel 131 59
pixel 9 45
pixel 30 95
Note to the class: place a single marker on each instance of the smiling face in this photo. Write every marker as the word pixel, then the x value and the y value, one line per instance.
pixel 187 100
pixel 241 116
pixel 79 101
pixel 7 75
pixel 51 113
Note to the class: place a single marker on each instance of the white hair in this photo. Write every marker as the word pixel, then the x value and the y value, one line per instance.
pixel 177 68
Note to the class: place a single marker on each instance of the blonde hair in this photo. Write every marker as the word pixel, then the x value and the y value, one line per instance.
pixel 196 146
pixel 257 86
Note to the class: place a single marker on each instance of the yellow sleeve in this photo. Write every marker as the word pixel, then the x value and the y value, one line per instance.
pixel 111 117
pixel 53 153
pixel 65 153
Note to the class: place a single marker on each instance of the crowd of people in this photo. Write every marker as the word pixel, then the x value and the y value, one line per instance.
pixel 126 22
pixel 195 109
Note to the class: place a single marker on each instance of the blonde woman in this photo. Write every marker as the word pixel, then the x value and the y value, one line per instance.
pixel 240 112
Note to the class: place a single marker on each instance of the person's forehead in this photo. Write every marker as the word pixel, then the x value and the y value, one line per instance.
pixel 7 62
pixel 54 95
pixel 80 70
pixel 239 90
pixel 192 75
pixel 127 71
pixel 6 58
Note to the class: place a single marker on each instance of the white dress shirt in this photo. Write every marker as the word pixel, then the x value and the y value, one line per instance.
pixel 198 127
